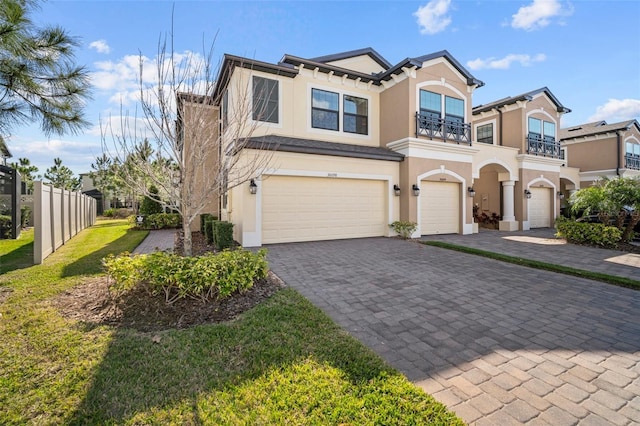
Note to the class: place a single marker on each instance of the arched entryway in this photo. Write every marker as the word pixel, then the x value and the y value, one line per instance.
pixel 493 202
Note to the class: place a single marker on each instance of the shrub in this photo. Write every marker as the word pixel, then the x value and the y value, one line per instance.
pixel 208 229
pixel 203 220
pixel 109 213
pixel 5 226
pixel 589 233
pixel 122 213
pixel 222 235
pixel 150 204
pixel 157 221
pixel 208 277
pixel 404 228
pixel 25 216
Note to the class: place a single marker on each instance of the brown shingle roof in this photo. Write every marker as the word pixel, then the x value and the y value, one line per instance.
pixel 594 128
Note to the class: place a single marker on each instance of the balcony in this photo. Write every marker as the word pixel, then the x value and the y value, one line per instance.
pixel 545 147
pixel 632 161
pixel 440 128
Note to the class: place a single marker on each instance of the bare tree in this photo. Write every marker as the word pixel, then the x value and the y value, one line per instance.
pixel 192 163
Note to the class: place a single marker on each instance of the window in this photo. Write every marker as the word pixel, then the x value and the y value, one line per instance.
pixel 535 126
pixel 453 109
pixel 265 99
pixel 549 130
pixel 324 109
pixel 225 109
pixel 355 115
pixel 430 104
pixel 633 149
pixel 484 133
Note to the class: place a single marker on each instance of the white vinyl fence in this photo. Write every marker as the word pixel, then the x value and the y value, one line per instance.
pixel 58 215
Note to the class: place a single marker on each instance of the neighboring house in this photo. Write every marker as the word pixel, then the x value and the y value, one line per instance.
pixel 4 152
pixel 602 150
pixel 355 143
pixel 103 201
pixel 525 129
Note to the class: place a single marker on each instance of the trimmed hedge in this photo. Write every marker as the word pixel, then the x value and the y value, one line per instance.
pixel 203 220
pixel 208 277
pixel 158 221
pixel 208 228
pixel 222 235
pixel 589 233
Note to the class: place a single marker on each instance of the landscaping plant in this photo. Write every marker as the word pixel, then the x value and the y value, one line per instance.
pixel 404 228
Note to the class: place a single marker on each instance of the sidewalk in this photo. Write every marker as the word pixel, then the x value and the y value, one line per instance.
pixel 161 239
pixel 542 245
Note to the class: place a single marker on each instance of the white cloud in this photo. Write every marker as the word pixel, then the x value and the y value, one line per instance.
pixel 616 110
pixel 432 17
pixel 75 154
pixel 100 46
pixel 538 14
pixel 505 63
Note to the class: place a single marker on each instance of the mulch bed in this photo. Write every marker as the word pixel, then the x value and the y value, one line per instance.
pixel 93 303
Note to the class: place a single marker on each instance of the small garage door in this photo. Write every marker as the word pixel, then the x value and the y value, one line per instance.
pixel 439 208
pixel 311 209
pixel 540 208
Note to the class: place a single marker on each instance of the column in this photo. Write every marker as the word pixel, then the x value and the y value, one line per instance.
pixel 508 222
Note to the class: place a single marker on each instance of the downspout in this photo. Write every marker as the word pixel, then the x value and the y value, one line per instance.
pixel 619 140
pixel 500 131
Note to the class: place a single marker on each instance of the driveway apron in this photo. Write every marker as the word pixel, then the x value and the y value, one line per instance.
pixel 497 343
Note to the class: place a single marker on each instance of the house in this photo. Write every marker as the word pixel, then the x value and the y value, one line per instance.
pixel 527 125
pixel 354 143
pixel 602 150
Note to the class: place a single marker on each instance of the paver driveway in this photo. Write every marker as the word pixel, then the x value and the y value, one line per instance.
pixel 498 343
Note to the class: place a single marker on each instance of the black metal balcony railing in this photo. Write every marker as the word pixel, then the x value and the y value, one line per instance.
pixel 632 161
pixel 537 145
pixel 440 128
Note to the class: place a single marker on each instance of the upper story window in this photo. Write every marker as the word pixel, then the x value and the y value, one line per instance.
pixel 225 109
pixel 355 115
pixel 430 104
pixel 542 129
pixel 453 109
pixel 325 109
pixel 265 99
pixel 633 149
pixel 325 112
pixel 484 133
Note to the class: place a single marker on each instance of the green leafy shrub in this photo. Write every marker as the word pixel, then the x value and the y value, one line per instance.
pixel 208 229
pixel 212 276
pixel 122 213
pixel 109 213
pixel 157 221
pixel 25 216
pixel 404 228
pixel 203 220
pixel 150 204
pixel 5 226
pixel 589 233
pixel 222 235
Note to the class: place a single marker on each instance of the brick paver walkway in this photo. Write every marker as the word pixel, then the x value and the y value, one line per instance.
pixel 498 343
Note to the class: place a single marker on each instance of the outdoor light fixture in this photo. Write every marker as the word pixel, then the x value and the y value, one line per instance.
pixel 396 190
pixel 560 195
pixel 253 188
pixel 416 190
pixel 527 193
pixel 471 192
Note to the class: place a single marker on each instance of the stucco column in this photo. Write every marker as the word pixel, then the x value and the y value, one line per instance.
pixel 508 222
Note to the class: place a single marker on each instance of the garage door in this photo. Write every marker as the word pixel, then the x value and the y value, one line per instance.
pixel 540 208
pixel 439 208
pixel 311 209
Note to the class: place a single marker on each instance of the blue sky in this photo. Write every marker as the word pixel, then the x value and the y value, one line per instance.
pixel 586 52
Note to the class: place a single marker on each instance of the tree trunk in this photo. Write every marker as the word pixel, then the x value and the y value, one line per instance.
pixel 187 246
pixel 633 221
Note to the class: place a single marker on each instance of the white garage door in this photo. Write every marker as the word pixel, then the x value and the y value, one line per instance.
pixel 540 208
pixel 439 208
pixel 311 209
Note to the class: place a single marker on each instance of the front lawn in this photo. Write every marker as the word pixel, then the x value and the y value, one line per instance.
pixel 283 362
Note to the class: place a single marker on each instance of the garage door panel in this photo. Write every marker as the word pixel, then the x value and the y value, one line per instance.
pixel 309 209
pixel 440 208
pixel 540 208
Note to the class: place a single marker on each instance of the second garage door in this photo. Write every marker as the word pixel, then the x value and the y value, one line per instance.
pixel 540 208
pixel 311 209
pixel 439 208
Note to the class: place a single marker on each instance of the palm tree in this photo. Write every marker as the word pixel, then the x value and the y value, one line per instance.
pixel 38 80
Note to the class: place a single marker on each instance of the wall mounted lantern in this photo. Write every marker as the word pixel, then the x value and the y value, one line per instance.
pixel 560 195
pixel 416 190
pixel 253 188
pixel 396 190
pixel 471 192
pixel 527 193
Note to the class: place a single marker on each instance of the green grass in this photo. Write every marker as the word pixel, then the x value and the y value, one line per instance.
pixel 596 276
pixel 18 253
pixel 283 362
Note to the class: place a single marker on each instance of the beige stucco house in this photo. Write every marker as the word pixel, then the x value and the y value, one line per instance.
pixel 354 143
pixel 602 150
